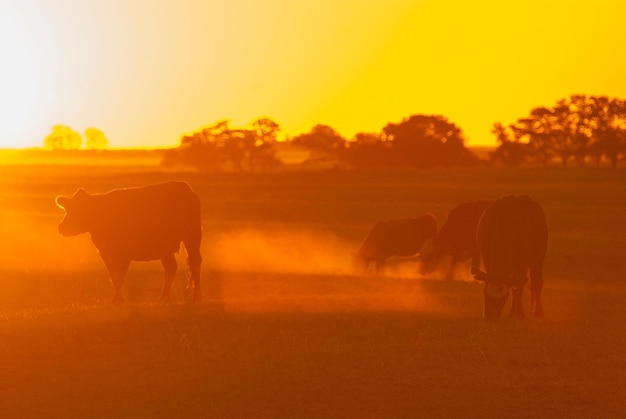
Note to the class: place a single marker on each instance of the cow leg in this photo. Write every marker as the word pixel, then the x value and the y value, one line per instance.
pixel 379 266
pixel 170 266
pixel 517 310
pixel 370 268
pixel 476 257
pixel 117 271
pixel 454 261
pixel 536 285
pixel 194 263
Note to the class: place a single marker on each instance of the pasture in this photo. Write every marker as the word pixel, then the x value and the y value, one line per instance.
pixel 286 330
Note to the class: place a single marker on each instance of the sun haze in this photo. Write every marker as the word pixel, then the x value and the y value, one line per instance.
pixel 146 72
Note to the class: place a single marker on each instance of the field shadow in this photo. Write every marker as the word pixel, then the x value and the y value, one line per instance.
pixel 283 357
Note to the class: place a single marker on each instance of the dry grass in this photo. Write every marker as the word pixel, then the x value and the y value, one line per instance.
pixel 287 331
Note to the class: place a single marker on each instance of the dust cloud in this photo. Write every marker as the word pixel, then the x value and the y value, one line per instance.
pixel 280 251
pixel 296 251
pixel 253 269
pixel 300 270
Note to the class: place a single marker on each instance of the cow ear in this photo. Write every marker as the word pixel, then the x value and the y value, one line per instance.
pixel 478 274
pixel 63 202
pixel 81 193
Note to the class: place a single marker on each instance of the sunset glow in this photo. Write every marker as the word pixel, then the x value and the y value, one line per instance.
pixel 148 72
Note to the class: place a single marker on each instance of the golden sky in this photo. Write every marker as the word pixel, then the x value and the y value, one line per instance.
pixel 148 71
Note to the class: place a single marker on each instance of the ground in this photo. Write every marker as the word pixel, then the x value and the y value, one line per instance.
pixel 286 330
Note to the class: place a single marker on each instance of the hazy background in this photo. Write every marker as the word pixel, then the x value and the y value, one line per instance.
pixel 148 71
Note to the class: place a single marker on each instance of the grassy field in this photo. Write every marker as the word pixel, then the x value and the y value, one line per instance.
pixel 286 330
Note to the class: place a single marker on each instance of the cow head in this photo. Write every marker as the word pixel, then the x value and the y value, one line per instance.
pixel 77 214
pixel 495 294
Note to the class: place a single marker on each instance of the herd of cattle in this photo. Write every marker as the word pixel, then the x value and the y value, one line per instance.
pixel 509 235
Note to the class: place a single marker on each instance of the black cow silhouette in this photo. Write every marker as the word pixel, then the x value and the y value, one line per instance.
pixel 139 224
pixel 457 237
pixel 398 237
pixel 513 238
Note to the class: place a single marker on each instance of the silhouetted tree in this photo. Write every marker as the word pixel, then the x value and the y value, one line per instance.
pixel 63 137
pixel 608 129
pixel 218 146
pixel 581 115
pixel 263 156
pixel 541 134
pixel 558 133
pixel 95 139
pixel 426 141
pixel 200 152
pixel 369 151
pixel 578 127
pixel 510 150
pixel 266 130
pixel 324 142
pixel 238 147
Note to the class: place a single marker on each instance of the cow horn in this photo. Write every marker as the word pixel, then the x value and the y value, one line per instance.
pixel 80 192
pixel 63 202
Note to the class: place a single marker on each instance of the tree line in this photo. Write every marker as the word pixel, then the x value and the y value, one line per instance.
pixel 63 137
pixel 417 141
pixel 580 129
pixel 219 147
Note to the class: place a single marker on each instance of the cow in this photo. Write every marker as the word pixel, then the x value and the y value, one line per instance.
pixel 397 237
pixel 139 224
pixel 456 238
pixel 512 236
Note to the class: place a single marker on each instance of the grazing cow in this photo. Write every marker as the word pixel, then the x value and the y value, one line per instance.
pixel 139 224
pixel 512 236
pixel 399 237
pixel 457 237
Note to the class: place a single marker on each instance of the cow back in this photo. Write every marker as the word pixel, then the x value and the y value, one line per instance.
pixel 512 236
pixel 398 237
pixel 459 229
pixel 145 222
